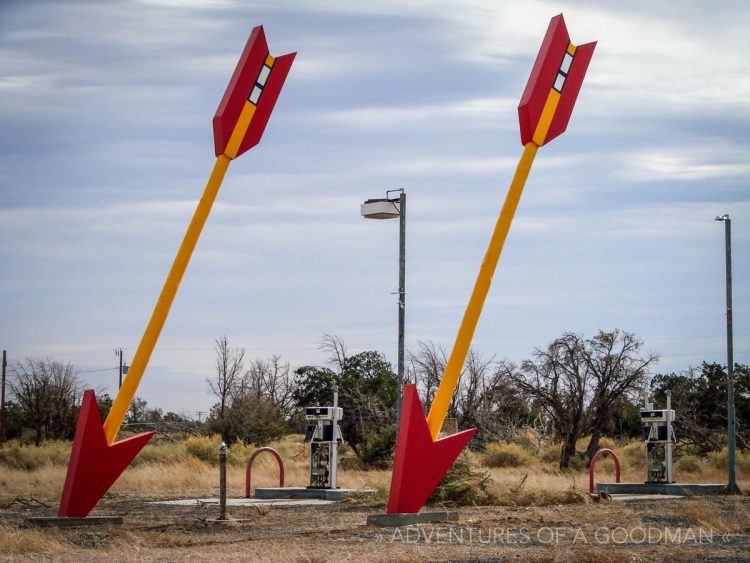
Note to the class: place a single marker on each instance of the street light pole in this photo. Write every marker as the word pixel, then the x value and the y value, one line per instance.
pixel 390 209
pixel 401 301
pixel 732 487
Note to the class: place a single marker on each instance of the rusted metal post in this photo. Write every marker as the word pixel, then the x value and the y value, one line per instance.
pixel 223 482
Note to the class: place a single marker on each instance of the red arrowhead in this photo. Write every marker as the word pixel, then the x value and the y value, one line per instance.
pixel 420 463
pixel 94 466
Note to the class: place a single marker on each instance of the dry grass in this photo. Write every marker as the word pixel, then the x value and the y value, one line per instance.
pixel 176 470
pixel 30 540
pixel 506 455
pixel 14 454
pixel 702 512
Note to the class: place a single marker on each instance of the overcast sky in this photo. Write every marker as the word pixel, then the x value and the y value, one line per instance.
pixel 105 112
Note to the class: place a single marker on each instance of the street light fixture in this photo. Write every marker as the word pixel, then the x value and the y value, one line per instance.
pixel 732 487
pixel 390 208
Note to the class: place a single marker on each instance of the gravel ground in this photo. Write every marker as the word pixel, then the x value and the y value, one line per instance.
pixel 639 529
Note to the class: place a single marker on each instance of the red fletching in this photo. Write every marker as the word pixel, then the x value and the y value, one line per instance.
pixel 570 92
pixel 267 101
pixel 543 76
pixel 239 89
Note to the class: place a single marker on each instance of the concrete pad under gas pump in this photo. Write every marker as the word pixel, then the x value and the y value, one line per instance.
pixel 681 489
pixel 234 502
pixel 305 493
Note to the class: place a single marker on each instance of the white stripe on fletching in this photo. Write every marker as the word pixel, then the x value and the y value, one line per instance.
pixel 559 81
pixel 565 66
pixel 264 72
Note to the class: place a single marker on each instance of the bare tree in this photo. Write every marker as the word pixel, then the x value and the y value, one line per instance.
pixel 334 347
pixel 483 398
pixel 274 380
pixel 426 369
pixel 474 391
pixel 617 369
pixel 228 379
pixel 578 381
pixel 556 380
pixel 48 392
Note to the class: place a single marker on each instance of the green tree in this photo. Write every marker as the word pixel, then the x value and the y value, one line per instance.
pixel 367 393
pixel 699 399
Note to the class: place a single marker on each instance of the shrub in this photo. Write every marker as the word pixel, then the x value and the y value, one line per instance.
pixel 606 442
pixel 689 464
pixel 377 449
pixel 163 452
pixel 464 484
pixel 239 453
pixel 204 448
pixel 52 452
pixel 506 455
pixel 719 459
pixel 578 463
pixel 633 454
pixel 550 454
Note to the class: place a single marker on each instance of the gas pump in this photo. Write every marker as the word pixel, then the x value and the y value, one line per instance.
pixel 659 437
pixel 324 436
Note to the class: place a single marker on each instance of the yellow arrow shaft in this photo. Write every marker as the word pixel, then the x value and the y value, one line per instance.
pixel 442 400
pixel 166 298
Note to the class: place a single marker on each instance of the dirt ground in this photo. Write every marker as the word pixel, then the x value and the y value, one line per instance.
pixel 653 529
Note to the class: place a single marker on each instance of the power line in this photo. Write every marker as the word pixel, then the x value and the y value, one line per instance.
pixel 98 370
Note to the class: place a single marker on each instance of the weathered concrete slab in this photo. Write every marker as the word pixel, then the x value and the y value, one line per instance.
pixel 69 522
pixel 626 498
pixel 396 520
pixel 682 489
pixel 302 492
pixel 247 502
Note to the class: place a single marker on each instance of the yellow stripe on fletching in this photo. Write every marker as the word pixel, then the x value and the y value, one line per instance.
pixel 240 129
pixel 542 127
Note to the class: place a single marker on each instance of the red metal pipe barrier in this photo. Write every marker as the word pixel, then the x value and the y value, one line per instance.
pixel 597 455
pixel 248 489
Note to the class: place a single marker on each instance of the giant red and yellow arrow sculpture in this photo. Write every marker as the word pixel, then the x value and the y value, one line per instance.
pixel 97 460
pixel 421 459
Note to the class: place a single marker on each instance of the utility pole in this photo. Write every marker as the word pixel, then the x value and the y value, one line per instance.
pixel 732 487
pixel 118 353
pixel 2 403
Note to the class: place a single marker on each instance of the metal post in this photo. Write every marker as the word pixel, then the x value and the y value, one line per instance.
pixel 401 302
pixel 668 445
pixel 119 354
pixel 335 438
pixel 732 487
pixel 2 403
pixel 222 482
pixel 374 209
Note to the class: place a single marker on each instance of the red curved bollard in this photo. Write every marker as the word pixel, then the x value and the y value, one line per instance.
pixel 248 490
pixel 597 455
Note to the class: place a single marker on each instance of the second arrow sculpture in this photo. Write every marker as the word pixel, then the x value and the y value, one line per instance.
pixel 543 113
